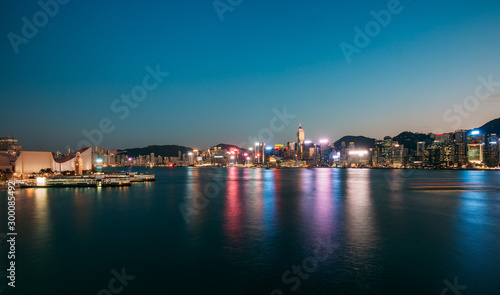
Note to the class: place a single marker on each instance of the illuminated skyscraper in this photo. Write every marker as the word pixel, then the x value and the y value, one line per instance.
pixel 261 153
pixel 491 157
pixel 475 147
pixel 300 141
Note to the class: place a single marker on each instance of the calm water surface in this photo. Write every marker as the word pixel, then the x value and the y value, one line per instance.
pixel 257 231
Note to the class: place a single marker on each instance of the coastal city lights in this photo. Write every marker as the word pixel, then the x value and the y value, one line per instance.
pixel 461 149
pixel 250 147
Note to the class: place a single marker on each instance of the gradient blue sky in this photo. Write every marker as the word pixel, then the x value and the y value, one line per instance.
pixel 227 76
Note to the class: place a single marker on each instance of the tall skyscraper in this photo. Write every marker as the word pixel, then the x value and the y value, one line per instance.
pixel 300 141
pixel 492 150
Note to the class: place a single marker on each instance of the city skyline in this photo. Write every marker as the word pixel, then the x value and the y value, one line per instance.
pixel 227 75
pixel 246 144
pixel 250 147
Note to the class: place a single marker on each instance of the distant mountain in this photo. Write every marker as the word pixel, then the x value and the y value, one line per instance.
pixel 158 150
pixel 225 146
pixel 407 138
pixel 492 126
pixel 410 139
pixel 361 142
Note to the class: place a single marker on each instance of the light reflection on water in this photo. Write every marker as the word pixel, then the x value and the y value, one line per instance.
pixel 260 223
pixel 360 223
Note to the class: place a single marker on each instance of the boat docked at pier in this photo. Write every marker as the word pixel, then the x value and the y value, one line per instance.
pixel 92 180
pixel 140 177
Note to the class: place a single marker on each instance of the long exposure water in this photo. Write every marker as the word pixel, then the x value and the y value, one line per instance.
pixel 260 231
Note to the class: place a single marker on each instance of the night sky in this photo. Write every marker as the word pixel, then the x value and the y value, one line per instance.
pixel 228 71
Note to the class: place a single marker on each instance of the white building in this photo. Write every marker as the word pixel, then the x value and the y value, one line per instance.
pixel 67 163
pixel 32 162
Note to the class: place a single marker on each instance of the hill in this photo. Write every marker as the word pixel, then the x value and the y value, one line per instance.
pixel 410 139
pixel 361 142
pixel 158 150
pixel 225 146
pixel 492 126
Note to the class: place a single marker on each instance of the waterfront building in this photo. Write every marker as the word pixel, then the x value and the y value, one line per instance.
pixel 398 155
pixel 290 150
pixel 9 145
pixel 300 141
pixel 492 151
pixel 459 154
pixel 261 153
pixel 33 162
pixel 375 154
pixel 358 158
pixel 386 150
pixel 69 162
pixel 448 154
pixel 191 158
pixel 78 164
pixel 475 147
pixel 312 151
pixel 460 136
pixel 7 161
pixel 420 148
pixel 435 152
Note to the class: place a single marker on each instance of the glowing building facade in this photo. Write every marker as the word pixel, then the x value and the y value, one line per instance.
pixel 300 141
pixel 475 147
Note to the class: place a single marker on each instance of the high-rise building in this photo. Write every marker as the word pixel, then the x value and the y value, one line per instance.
pixel 435 152
pixel 460 136
pixel 420 148
pixel 475 147
pixel 10 146
pixel 261 153
pixel 300 141
pixel 398 155
pixel 386 149
pixel 492 153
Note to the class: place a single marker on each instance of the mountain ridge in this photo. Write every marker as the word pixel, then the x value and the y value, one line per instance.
pixel 408 138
